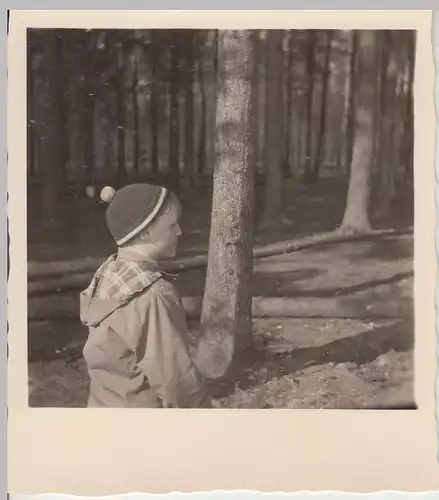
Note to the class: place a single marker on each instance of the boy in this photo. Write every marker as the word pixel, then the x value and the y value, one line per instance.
pixel 137 351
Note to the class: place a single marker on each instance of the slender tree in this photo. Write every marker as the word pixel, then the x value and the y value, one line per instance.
pixel 30 119
pixel 310 65
pixel 51 130
pixel 320 151
pixel 88 106
pixel 406 151
pixel 121 110
pixel 173 176
pixel 226 323
pixel 356 216
pixel 273 129
pixel 155 103
pixel 136 118
pixel 289 103
pixel 189 115
pixel 349 111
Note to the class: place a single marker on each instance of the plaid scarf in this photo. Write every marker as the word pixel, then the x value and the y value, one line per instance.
pixel 119 279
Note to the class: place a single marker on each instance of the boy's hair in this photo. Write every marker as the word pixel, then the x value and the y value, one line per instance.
pixel 171 201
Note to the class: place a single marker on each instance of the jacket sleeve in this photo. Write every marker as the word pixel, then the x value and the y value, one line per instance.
pixel 167 363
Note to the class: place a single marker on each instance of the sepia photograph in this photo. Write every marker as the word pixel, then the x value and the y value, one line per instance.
pixel 220 218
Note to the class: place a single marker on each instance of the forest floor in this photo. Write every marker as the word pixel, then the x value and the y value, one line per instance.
pixel 299 362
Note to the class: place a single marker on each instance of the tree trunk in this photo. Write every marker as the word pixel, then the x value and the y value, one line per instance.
pixel 320 152
pixel 288 131
pixel 136 120
pixel 88 115
pixel 155 104
pixel 121 114
pixel 50 133
pixel 406 151
pixel 255 99
pixel 273 130
pixel 30 119
pixel 226 323
pixel 349 111
pixel 62 96
pixel 208 65
pixel 385 165
pixel 173 176
pixel 202 141
pixel 310 63
pixel 189 115
pixel 356 216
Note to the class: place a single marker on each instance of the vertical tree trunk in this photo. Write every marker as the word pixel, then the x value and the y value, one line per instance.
pixel 121 114
pixel 61 101
pixel 349 111
pixel 356 216
pixel 50 133
pixel 30 153
pixel 273 129
pixel 384 168
pixel 155 103
pixel 136 120
pixel 202 142
pixel 310 63
pixel 320 151
pixel 88 115
pixel 226 322
pixel 189 115
pixel 255 38
pixel 406 151
pixel 209 81
pixel 173 176
pixel 288 131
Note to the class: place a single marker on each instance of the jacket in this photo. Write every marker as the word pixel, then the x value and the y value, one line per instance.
pixel 137 352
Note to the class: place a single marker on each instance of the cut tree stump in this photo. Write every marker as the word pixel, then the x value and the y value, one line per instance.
pixel 63 306
pixel 61 272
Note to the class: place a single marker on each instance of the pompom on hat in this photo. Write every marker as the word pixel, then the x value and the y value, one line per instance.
pixel 131 209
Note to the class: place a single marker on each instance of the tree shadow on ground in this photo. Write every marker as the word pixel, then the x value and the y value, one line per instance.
pixel 359 349
pixel 269 284
pixel 388 248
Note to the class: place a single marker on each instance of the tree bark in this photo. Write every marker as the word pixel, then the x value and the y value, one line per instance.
pixel 255 99
pixel 61 101
pixel 406 151
pixel 349 111
pixel 211 95
pixel 189 69
pixel 320 152
pixel 50 133
pixel 202 141
pixel 356 216
pixel 88 115
pixel 155 105
pixel 310 63
pixel 289 103
pixel 226 326
pixel 136 119
pixel 121 113
pixel 173 177
pixel 273 130
pixel 30 119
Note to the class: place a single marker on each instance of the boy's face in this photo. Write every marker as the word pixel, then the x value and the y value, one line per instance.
pixel 165 232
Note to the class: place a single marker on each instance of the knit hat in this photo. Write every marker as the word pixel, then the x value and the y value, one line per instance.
pixel 131 209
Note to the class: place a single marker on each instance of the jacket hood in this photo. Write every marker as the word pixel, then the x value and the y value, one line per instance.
pixel 114 284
